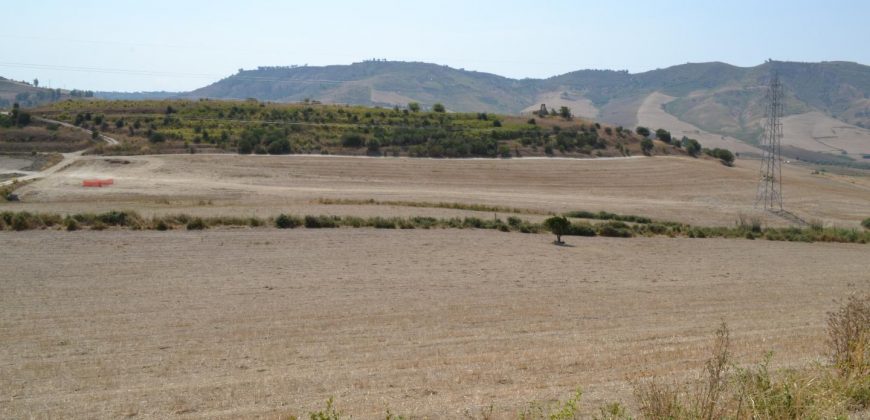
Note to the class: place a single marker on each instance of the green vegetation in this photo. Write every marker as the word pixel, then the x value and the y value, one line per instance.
pixel 643 131
pixel 692 146
pixel 723 155
pixel 268 128
pixel 866 223
pixel 284 221
pixel 558 225
pixel 614 226
pixel 603 215
pixel 663 135
pixel 16 118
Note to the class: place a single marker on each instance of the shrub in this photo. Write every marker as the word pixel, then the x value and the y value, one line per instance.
pixel 438 107
pixel 156 137
pixel 71 224
pixel 196 224
pixel 316 222
pixel 382 223
pixel 866 223
pixel 22 221
pixel 849 335
pixel 615 229
pixel 355 140
pixel 284 221
pixel 582 229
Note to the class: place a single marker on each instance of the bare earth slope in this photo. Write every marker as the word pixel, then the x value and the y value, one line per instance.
pixel 670 188
pixel 652 115
pixel 242 323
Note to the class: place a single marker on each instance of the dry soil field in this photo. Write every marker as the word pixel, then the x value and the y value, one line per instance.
pixel 681 189
pixel 241 323
pixel 230 323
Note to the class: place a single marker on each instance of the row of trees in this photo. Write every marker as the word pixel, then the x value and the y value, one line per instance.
pixel 691 146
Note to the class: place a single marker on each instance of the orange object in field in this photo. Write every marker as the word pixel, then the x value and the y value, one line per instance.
pixel 97 182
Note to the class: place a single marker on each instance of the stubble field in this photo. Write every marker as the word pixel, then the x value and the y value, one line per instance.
pixel 229 323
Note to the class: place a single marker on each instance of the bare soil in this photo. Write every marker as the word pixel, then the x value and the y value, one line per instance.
pixel 245 323
pixel 670 188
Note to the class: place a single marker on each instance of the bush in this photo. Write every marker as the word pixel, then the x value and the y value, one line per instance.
pixel 866 223
pixel 156 137
pixel 382 223
pixel 354 140
pixel 316 222
pixel 438 107
pixel 284 221
pixel 849 335
pixel 582 229
pixel 196 224
pixel 71 224
pixel 615 229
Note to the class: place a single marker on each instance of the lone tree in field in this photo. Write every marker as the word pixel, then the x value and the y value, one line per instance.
pixel 558 225
pixel 438 107
pixel 414 106
pixel 565 112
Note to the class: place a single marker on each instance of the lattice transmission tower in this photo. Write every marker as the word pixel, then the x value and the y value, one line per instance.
pixel 769 195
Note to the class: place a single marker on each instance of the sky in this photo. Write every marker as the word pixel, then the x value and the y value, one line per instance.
pixel 185 44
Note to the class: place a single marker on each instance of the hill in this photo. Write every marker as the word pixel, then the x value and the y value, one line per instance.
pixel 27 94
pixel 716 98
pixel 250 126
pixel 827 103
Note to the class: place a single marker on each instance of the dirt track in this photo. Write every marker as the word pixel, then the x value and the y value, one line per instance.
pixel 682 189
pixel 238 323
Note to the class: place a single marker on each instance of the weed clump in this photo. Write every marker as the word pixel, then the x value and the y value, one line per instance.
pixel 284 221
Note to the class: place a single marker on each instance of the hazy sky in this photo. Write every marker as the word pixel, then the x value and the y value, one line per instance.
pixel 181 45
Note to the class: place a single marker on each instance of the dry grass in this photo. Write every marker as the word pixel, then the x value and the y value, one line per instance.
pixel 245 323
pixel 681 189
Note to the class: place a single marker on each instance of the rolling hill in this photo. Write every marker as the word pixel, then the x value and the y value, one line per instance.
pixel 827 105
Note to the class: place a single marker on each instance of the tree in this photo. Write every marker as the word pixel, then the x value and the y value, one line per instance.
pixel 373 146
pixel 643 131
pixel 692 146
pixel 35 82
pixel 646 145
pixel 663 135
pixel 565 112
pixel 558 225
pixel 438 107
pixel 414 106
